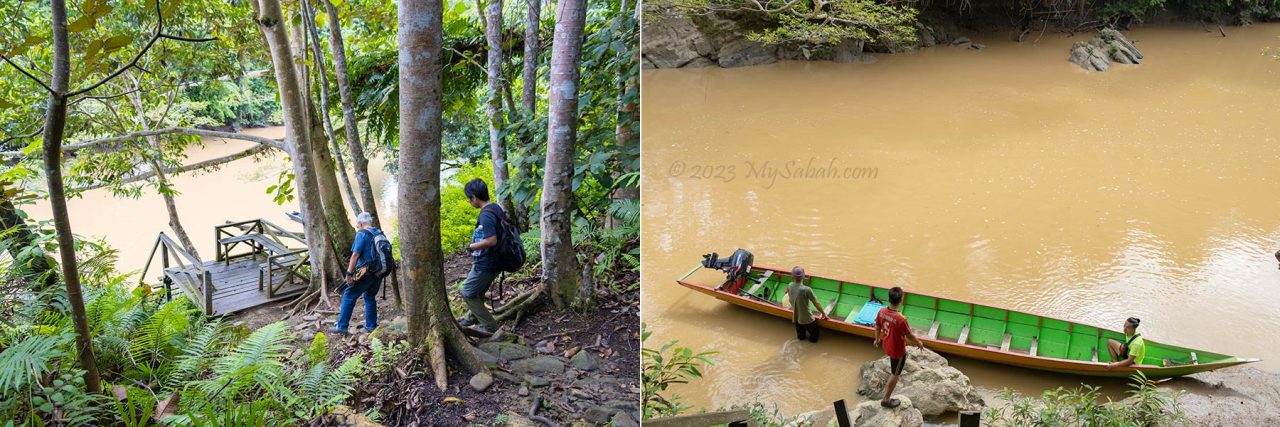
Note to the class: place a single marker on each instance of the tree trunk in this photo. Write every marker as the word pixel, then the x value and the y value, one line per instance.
pixel 497 144
pixel 162 181
pixel 559 261
pixel 341 234
pixel 627 115
pixel 529 104
pixel 310 16
pixel 358 159
pixel 297 133
pixel 54 126
pixel 431 324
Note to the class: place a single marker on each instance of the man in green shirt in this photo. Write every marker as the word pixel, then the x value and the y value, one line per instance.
pixel 1129 352
pixel 801 296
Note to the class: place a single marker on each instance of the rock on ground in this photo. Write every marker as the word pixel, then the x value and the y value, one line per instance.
pixel 481 381
pixel 538 365
pixel 1098 53
pixel 928 380
pixel 506 351
pixel 871 414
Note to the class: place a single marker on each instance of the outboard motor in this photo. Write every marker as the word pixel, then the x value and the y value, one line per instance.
pixel 736 268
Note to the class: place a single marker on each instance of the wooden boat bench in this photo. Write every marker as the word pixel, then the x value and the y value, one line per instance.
pixel 760 283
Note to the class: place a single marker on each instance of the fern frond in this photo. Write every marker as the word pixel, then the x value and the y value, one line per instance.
pixel 25 362
pixel 195 354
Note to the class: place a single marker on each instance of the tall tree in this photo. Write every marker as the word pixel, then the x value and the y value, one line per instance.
pixel 529 104
pixel 358 160
pixel 54 125
pixel 271 22
pixel 559 260
pixel 309 13
pixel 431 324
pixel 497 144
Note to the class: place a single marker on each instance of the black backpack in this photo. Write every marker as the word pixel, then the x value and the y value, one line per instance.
pixel 382 263
pixel 509 251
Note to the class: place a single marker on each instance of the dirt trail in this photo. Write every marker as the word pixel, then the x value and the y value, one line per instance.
pixel 1241 396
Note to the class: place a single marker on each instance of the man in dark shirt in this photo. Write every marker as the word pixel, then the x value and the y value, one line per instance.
pixel 484 265
pixel 359 280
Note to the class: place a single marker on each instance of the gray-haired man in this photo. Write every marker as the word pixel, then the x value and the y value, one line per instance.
pixel 367 284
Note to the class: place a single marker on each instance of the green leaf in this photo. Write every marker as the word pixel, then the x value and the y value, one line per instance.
pixel 116 42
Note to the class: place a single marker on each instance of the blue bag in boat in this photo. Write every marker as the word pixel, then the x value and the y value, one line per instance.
pixel 867 316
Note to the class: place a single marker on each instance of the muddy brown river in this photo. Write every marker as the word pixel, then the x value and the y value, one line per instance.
pixel 234 192
pixel 1007 177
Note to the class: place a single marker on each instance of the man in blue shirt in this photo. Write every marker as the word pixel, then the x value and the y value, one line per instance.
pixel 483 257
pixel 359 279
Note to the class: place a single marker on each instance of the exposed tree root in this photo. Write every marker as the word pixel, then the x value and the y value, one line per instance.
pixel 516 307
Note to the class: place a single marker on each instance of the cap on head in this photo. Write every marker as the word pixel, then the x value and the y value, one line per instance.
pixel 364 218
pixel 797 272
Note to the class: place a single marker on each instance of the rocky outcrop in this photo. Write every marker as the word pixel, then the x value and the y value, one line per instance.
pixel 871 414
pixel 1109 46
pixel 673 42
pixel 743 52
pixel 928 380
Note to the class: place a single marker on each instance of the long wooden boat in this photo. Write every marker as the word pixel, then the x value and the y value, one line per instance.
pixel 971 330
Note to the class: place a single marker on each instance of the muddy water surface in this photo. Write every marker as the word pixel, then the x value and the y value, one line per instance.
pixel 1006 177
pixel 235 192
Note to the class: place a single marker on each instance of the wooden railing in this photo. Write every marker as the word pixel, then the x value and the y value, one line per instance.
pixel 199 280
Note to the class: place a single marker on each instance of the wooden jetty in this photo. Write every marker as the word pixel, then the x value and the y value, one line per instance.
pixel 268 271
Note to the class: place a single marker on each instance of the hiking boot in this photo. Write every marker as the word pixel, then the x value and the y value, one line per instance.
pixel 482 329
pixel 342 332
pixel 891 403
pixel 466 321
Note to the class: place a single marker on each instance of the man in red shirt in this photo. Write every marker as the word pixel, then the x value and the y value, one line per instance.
pixel 892 329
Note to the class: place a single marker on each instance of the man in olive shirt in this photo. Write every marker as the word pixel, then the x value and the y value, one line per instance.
pixel 801 296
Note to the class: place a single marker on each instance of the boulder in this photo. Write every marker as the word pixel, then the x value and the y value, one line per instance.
pixel 585 361
pixel 490 361
pixel 506 351
pixel 395 330
pixel 622 419
pixel 871 414
pixel 743 52
pixel 962 43
pixel 481 381
pixel 673 42
pixel 517 420
pixel 539 366
pixel 926 36
pixel 928 380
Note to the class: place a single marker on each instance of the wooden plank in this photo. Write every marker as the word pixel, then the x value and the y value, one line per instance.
pixel 1035 344
pixel 964 334
pixel 1004 346
pixel 759 283
pixel 702 420
pixel 933 330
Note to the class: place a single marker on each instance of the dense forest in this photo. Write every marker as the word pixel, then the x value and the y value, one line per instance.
pixel 538 99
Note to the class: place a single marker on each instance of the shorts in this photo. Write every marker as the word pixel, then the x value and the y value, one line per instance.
pixel 896 365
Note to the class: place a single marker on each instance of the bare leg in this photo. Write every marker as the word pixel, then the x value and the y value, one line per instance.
pixel 888 388
pixel 1113 347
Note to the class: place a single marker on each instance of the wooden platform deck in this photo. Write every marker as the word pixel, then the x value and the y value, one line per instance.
pixel 235 286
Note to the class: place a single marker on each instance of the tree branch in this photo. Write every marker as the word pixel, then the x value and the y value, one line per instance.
pixel 25 73
pixel 159 34
pixel 268 142
pixel 258 149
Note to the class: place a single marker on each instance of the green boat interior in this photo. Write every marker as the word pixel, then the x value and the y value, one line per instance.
pixel 974 324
